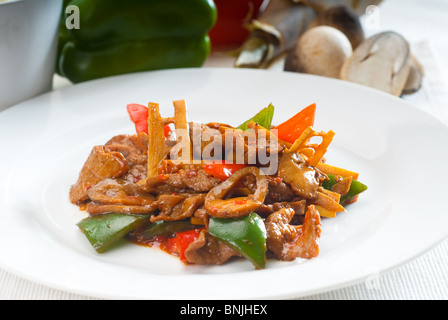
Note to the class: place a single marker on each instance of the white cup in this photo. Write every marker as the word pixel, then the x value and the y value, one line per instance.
pixel 28 48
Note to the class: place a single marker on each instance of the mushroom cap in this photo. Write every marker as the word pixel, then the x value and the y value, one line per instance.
pixel 415 78
pixel 380 62
pixel 322 51
pixel 344 19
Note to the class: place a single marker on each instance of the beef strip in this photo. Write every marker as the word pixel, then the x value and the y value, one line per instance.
pixel 119 191
pixel 208 250
pixel 183 181
pixel 101 164
pixel 278 190
pixel 299 208
pixel 178 207
pixel 207 140
pixel 138 142
pixel 134 149
pixel 98 208
pixel 288 242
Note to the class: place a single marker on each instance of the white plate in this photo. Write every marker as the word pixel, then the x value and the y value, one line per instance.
pixel 399 151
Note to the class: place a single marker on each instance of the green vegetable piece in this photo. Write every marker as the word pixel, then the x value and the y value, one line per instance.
pixel 104 230
pixel 247 235
pixel 263 118
pixel 117 37
pixel 165 228
pixel 356 188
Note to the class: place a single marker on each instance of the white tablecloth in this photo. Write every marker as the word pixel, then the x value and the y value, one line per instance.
pixel 425 25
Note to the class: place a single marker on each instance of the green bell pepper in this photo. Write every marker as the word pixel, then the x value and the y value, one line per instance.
pixel 105 230
pixel 165 228
pixel 263 118
pixel 117 37
pixel 356 188
pixel 246 235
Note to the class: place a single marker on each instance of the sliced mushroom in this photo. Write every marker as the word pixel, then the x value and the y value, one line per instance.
pixel 344 19
pixel 415 77
pixel 380 62
pixel 273 33
pixel 321 51
pixel 217 206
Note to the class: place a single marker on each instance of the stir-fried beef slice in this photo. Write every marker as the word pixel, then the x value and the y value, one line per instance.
pixel 278 190
pixel 252 147
pixel 132 157
pixel 299 208
pixel 288 242
pixel 183 181
pixel 208 250
pixel 95 208
pixel 119 191
pixel 206 140
pixel 136 173
pixel 138 142
pixel 177 207
pixel 100 165
pixel 198 180
pixel 134 149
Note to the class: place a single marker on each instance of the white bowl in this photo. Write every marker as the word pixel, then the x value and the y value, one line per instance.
pixel 28 48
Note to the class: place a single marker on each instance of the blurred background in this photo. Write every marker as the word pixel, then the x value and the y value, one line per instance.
pixel 265 34
pixel 47 44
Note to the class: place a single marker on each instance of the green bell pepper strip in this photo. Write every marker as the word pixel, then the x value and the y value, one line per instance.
pixel 105 230
pixel 246 235
pixel 117 37
pixel 356 188
pixel 263 118
pixel 165 228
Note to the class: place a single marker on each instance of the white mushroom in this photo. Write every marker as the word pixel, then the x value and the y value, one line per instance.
pixel 380 62
pixel 322 51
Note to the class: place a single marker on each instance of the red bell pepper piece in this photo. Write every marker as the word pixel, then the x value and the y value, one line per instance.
pixel 230 29
pixel 292 129
pixel 222 170
pixel 181 241
pixel 167 130
pixel 139 115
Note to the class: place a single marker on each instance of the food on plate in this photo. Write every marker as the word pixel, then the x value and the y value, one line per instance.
pixel 210 193
pixel 116 37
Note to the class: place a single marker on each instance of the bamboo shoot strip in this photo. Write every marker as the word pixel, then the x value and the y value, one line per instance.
pixel 156 140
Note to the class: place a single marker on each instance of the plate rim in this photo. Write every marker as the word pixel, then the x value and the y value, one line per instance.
pixel 11 269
